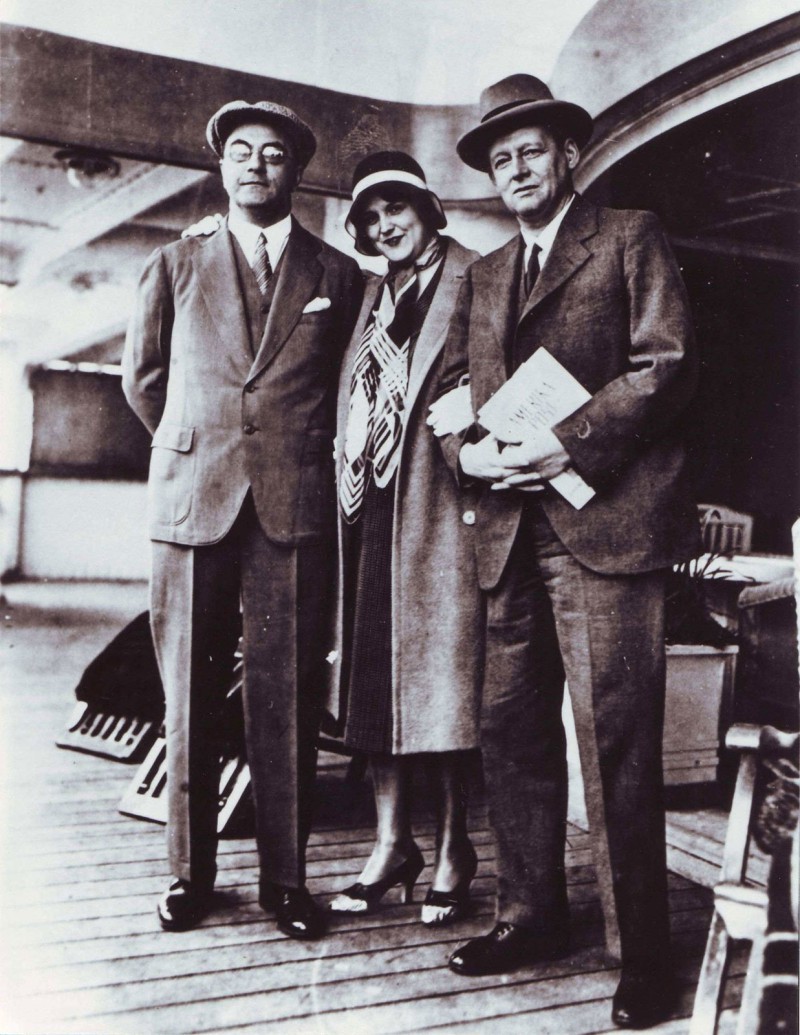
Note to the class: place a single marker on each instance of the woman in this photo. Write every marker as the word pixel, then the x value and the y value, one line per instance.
pixel 410 626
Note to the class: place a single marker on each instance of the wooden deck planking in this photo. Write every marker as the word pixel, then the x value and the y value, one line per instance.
pixel 695 841
pixel 331 983
pixel 352 951
pixel 88 956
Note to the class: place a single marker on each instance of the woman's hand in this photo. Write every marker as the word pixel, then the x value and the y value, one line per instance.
pixel 452 413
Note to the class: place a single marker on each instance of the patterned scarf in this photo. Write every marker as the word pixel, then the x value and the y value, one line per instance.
pixel 379 383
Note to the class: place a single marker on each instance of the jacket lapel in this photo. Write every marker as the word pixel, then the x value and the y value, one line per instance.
pixel 298 275
pixel 502 274
pixel 496 291
pixel 432 336
pixel 568 254
pixel 215 266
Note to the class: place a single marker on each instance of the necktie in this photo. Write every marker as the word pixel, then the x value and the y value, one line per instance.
pixel 261 265
pixel 532 271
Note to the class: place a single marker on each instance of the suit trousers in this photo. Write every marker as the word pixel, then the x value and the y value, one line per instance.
pixel 550 617
pixel 196 597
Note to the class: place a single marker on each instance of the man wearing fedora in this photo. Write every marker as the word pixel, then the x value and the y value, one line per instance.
pixel 231 361
pixel 574 592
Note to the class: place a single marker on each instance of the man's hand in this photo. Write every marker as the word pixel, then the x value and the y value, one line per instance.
pixel 528 463
pixel 482 459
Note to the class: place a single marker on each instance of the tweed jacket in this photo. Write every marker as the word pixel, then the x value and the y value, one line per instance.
pixel 610 305
pixel 437 617
pixel 227 417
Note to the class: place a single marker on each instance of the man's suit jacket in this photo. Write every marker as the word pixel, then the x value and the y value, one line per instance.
pixel 226 416
pixel 610 305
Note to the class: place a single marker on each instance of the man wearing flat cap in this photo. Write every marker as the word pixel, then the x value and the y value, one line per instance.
pixel 574 592
pixel 231 361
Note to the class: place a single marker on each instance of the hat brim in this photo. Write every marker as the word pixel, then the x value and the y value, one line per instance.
pixel 226 121
pixel 576 122
pixel 365 247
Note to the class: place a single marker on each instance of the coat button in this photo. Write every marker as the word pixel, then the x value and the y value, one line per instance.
pixel 251 387
pixel 249 429
pixel 468 517
pixel 584 429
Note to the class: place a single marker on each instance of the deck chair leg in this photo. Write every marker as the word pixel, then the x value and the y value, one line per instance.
pixel 712 979
pixel 751 993
pixel 740 910
pixel 705 1015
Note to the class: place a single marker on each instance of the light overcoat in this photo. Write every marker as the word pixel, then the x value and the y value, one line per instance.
pixel 437 616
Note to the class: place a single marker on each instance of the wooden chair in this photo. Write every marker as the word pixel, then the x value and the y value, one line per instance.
pixel 724 530
pixel 740 910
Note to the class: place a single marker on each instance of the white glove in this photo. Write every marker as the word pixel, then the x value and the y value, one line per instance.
pixel 452 413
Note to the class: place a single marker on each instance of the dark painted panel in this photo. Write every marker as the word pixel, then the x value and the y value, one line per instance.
pixel 83 427
pixel 62 90
pixel 727 182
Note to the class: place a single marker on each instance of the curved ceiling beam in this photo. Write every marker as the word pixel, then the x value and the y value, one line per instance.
pixel 622 45
pixel 759 59
pixel 61 90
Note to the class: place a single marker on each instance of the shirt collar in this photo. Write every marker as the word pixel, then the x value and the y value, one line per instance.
pixel 544 236
pixel 247 235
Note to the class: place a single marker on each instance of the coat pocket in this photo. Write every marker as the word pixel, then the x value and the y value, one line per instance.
pixel 171 482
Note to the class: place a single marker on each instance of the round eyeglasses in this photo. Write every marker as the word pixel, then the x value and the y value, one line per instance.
pixel 269 153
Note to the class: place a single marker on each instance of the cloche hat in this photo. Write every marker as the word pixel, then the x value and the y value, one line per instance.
pixel 380 169
pixel 223 122
pixel 520 100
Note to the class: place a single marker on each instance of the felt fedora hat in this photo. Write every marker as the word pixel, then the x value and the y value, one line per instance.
pixel 395 168
pixel 223 122
pixel 520 100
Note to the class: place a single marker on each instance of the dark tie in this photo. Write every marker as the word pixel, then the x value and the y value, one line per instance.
pixel 532 271
pixel 261 265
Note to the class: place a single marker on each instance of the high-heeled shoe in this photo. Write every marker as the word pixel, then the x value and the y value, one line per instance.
pixel 364 898
pixel 445 907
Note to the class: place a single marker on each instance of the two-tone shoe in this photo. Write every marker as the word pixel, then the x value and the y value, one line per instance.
pixel 296 913
pixel 183 905
pixel 366 898
pixel 446 907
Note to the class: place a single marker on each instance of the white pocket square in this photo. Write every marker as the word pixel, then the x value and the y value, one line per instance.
pixel 316 305
pixel 205 226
